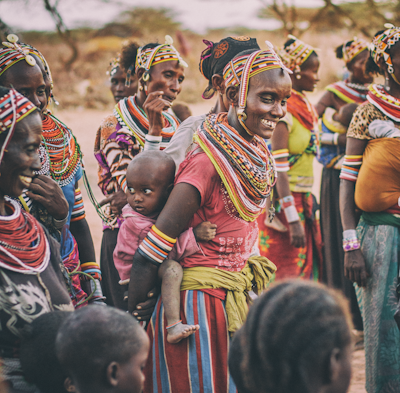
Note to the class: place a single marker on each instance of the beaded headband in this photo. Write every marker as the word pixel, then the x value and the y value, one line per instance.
pixel 356 47
pixel 13 53
pixel 114 64
pixel 382 43
pixel 240 69
pixel 146 58
pixel 13 108
pixel 294 55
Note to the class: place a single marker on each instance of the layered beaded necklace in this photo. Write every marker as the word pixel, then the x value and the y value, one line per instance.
pixel 247 169
pixel 22 239
pixel 133 118
pixel 63 155
pixel 384 102
pixel 349 92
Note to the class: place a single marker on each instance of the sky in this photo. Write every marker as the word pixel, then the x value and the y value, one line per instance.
pixel 196 15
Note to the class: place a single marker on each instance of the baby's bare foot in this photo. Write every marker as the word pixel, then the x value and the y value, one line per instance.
pixel 180 331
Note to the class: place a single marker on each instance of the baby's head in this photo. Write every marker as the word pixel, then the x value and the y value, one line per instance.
pixel 150 179
pixel 38 354
pixel 296 339
pixel 103 349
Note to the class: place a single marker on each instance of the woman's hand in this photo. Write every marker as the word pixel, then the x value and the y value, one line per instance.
pixel 205 231
pixel 46 191
pixel 117 201
pixel 154 106
pixel 297 234
pixel 144 310
pixel 354 267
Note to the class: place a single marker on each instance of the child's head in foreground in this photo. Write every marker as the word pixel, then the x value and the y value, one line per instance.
pixel 103 349
pixel 38 354
pixel 150 179
pixel 296 339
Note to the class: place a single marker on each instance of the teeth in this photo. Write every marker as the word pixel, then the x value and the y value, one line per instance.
pixel 26 179
pixel 268 123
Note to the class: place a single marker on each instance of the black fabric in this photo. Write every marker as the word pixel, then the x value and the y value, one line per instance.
pixel 219 55
pixel 331 231
pixel 113 291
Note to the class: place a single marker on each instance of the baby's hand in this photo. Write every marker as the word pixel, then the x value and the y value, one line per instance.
pixel 205 231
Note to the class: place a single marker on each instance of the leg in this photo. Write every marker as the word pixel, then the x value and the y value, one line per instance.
pixel 171 273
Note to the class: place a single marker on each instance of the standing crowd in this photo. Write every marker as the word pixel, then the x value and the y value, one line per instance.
pixel 212 246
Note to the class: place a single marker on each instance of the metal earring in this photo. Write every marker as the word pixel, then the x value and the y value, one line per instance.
pixel 387 86
pixel 298 76
pixel 140 88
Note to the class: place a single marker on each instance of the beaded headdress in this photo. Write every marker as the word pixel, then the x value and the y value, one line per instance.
pixel 146 58
pixel 218 55
pixel 13 108
pixel 240 69
pixel 356 47
pixel 295 54
pixel 382 43
pixel 114 64
pixel 13 53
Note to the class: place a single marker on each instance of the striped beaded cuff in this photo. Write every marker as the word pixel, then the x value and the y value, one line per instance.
pixel 152 142
pixel 91 268
pixel 156 246
pixel 78 211
pixel 350 240
pixel 283 156
pixel 121 180
pixel 351 167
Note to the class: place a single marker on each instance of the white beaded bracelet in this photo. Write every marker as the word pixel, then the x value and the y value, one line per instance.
pixel 291 214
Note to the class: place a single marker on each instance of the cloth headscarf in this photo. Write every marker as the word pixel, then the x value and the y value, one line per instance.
pixel 13 108
pixel 295 54
pixel 243 67
pixel 353 49
pixel 148 57
pixel 13 53
pixel 214 58
pixel 382 43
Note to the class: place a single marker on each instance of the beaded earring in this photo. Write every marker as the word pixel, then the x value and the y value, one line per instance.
pixel 298 76
pixel 387 86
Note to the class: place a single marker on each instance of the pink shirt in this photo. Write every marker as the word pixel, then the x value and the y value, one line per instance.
pixel 235 238
pixel 131 233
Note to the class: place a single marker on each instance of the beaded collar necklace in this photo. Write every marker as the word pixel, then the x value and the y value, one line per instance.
pixel 134 119
pixel 247 169
pixel 384 102
pixel 23 246
pixel 63 155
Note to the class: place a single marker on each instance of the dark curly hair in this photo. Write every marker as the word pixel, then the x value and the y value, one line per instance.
pixel 290 331
pixel 128 56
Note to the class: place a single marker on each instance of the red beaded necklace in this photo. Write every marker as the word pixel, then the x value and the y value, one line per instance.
pixel 23 244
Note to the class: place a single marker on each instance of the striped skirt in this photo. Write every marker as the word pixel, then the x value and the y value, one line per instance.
pixel 197 364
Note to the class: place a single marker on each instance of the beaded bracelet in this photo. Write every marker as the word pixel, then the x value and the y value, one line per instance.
pixel 350 240
pixel 351 244
pixel 174 324
pixel 289 209
pixel 156 246
pixel 91 268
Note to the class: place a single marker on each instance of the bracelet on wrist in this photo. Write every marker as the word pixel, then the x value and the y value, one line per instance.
pixel 60 223
pixel 351 244
pixel 291 214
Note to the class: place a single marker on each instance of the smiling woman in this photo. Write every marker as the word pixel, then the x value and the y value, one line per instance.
pixel 142 121
pixel 292 240
pixel 31 282
pixel 227 179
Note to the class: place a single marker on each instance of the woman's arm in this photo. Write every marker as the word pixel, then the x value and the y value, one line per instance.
pixel 324 102
pixel 182 203
pixel 279 141
pixel 354 264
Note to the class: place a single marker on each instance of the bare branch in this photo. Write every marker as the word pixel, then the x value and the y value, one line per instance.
pixel 63 32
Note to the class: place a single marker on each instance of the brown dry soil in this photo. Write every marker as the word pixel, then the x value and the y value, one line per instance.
pixel 84 123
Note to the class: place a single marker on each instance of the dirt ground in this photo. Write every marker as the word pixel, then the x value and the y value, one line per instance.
pixel 85 123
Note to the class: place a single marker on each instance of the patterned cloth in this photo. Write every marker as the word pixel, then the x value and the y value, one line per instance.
pixel 378 301
pixel 293 262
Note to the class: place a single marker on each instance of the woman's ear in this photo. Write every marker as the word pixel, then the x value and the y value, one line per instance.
pixel 140 73
pixel 232 94
pixel 382 67
pixel 112 374
pixel 218 83
pixel 334 366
